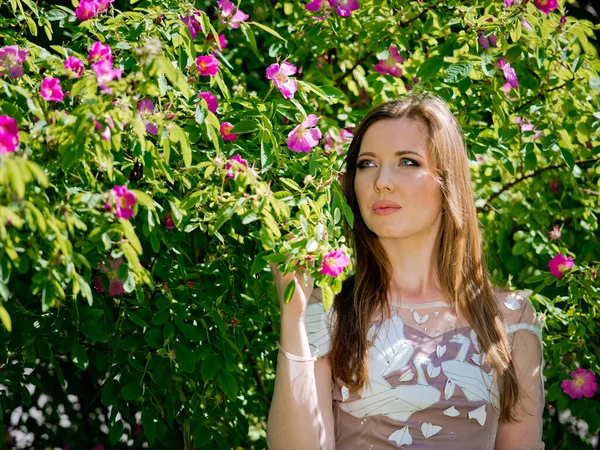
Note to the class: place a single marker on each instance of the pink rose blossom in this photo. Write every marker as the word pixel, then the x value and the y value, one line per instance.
pixel 493 40
pixel 100 52
pixel 560 263
pixel 11 60
pixel 279 75
pixel 553 185
pixel 115 286
pixel 508 3
pixel 240 161
pixel 9 134
pixel 509 74
pixel 334 263
pixel 51 90
pixel 526 25
pixel 103 5
pixel 105 74
pixel 192 23
pixel 86 9
pixel 106 134
pixel 389 66
pixel 582 384
pixel 546 6
pixel 483 41
pixel 229 13
pixel 326 6
pixel 345 7
pixel 123 199
pixel 169 224
pixel 338 141
pixel 146 108
pixel 207 65
pixel 225 129
pixel 555 234
pixel 526 126
pixel 74 67
pixel 304 136
pixel 222 43
pixel 211 101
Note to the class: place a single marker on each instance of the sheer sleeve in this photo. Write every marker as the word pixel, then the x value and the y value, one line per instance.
pixel 525 336
pixel 318 325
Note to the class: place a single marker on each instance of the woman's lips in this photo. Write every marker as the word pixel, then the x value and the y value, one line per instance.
pixel 386 211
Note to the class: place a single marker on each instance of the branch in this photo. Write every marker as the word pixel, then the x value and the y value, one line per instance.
pixel 508 186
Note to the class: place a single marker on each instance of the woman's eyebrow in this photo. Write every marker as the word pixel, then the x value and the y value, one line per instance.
pixel 398 153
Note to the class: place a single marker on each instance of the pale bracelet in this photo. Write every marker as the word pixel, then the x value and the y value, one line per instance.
pixel 295 357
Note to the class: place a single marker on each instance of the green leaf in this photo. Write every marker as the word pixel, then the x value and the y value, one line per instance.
pixel 79 356
pixel 595 83
pixel 430 68
pixel 132 392
pixel 149 424
pixel 154 337
pixel 110 392
pixel 178 135
pixel 5 319
pixel 130 235
pixel 185 357
pixel 143 198
pixel 229 385
pixel 210 367
pixel 327 296
pixel 116 432
pixel 457 72
pixel 94 334
pixel 332 92
pixel 267 29
pixel 245 126
pixel 289 291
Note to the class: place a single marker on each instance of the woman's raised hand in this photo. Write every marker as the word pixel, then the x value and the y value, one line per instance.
pixel 296 307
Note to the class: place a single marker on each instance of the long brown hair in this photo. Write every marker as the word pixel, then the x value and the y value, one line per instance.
pixel 458 255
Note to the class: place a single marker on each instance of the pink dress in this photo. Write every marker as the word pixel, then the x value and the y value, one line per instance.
pixel 430 386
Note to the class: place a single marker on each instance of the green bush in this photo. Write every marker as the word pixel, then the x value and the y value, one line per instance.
pixel 134 291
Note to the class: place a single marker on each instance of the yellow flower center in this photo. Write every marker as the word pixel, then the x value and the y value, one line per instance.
pixel 578 381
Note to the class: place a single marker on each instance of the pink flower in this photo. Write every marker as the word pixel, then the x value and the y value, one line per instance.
pixel 508 3
pixel 555 234
pixel 546 6
pixel 338 141
pixel 51 90
pixel 222 43
pixel 11 59
pixel 86 9
pixel 123 199
pixel 169 224
pixel 100 52
pixel 146 108
pixel 582 384
pixel 526 25
pixel 279 75
pixel 554 186
pixel 389 66
pixel 106 134
pixel 192 23
pixel 115 286
pixel 304 137
pixel 105 74
pixel 207 65
pixel 103 5
pixel 334 262
pixel 509 74
pixel 526 126
pixel 211 101
pixel 74 67
pixel 483 41
pixel 563 20
pixel 560 263
pixel 493 40
pixel 239 160
pixel 345 7
pixel 225 129
pixel 9 134
pixel 229 13
pixel 320 5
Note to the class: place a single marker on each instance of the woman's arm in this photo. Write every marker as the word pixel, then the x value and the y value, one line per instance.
pixel 528 361
pixel 301 414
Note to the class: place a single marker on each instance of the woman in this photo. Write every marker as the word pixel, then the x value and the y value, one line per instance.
pixel 439 358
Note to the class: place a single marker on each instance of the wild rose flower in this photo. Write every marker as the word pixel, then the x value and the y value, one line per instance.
pixel 555 234
pixel 483 41
pixel 11 60
pixel 345 7
pixel 9 134
pixel 546 6
pixel 526 25
pixel 493 40
pixel 508 3
pixel 509 74
pixel 146 108
pixel 229 13
pixel 103 5
pixel 106 134
pixel 279 75
pixel 86 9
pixel 211 101
pixel 526 126
pixel 304 137
pixel 51 90
pixel 169 224
pixel 337 142
pixel 192 23
pixel 389 66
pixel 105 74
pixel 560 263
pixel 239 160
pixel 100 52
pixel 319 5
pixel 553 185
pixel 74 67
pixel 582 384
pixel 124 200
pixel 115 286
pixel 334 262
pixel 222 40
pixel 207 66
pixel 225 129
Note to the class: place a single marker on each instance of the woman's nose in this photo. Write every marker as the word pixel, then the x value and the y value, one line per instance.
pixel 384 181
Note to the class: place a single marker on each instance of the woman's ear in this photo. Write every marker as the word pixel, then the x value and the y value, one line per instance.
pixel 341 178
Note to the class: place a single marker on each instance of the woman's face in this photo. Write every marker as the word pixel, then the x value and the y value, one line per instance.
pixel 393 165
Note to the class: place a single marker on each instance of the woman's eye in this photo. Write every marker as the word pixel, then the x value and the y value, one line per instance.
pixel 412 163
pixel 362 163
